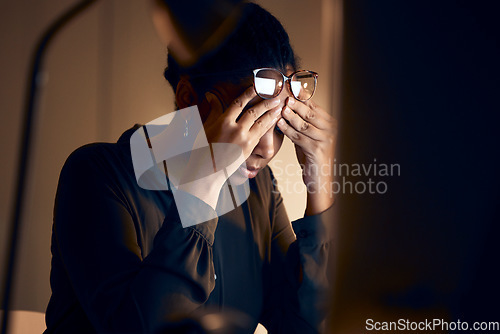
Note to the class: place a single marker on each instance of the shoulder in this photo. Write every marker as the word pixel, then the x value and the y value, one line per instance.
pixel 90 158
pixel 100 160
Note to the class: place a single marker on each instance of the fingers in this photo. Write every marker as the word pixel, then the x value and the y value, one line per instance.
pixel 308 125
pixel 236 107
pixel 301 125
pixel 255 112
pixel 265 122
pixel 258 119
pixel 295 136
pixel 311 113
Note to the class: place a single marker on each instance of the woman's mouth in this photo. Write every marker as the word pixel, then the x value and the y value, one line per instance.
pixel 249 171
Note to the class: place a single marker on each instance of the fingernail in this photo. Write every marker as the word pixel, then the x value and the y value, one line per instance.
pixel 275 102
pixel 291 101
pixel 281 122
pixel 287 110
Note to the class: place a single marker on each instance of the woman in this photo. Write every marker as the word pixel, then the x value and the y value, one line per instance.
pixel 123 262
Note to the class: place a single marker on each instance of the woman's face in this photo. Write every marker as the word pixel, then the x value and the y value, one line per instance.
pixel 269 143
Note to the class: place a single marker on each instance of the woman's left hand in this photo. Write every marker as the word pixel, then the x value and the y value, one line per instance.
pixel 314 133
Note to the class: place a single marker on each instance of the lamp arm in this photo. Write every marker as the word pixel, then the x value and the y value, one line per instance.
pixel 24 151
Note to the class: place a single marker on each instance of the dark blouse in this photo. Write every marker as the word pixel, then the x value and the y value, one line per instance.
pixel 122 262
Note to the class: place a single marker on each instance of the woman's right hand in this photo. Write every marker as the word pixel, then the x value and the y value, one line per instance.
pixel 243 128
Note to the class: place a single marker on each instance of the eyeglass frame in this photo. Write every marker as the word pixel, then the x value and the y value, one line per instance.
pixel 285 79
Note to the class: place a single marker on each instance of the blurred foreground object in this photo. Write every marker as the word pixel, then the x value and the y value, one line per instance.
pixel 420 89
pixel 191 29
pixel 31 99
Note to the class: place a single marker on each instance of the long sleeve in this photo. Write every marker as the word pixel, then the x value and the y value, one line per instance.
pixel 298 272
pixel 99 242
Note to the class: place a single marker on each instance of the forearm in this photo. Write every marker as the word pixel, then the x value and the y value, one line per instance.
pixel 173 281
pixel 207 170
pixel 119 291
pixel 317 203
pixel 319 195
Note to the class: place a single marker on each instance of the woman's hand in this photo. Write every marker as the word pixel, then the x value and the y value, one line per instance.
pixel 237 127
pixel 314 132
pixel 233 126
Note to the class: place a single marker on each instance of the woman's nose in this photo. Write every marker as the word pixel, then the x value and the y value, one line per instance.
pixel 285 92
pixel 265 147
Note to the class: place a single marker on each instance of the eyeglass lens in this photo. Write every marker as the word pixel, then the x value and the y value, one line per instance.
pixel 269 83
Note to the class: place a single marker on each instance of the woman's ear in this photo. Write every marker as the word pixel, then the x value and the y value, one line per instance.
pixel 185 95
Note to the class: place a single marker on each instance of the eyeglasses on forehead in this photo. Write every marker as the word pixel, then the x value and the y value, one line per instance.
pixel 269 83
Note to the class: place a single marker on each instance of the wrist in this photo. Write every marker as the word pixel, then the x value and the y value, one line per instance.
pixel 317 203
pixel 320 194
pixel 206 189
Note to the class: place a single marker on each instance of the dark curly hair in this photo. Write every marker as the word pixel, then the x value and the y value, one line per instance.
pixel 259 40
